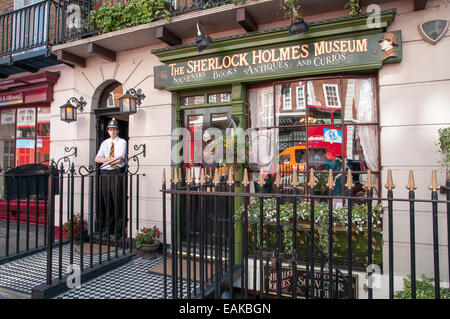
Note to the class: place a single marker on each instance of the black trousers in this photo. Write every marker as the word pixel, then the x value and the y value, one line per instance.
pixel 112 192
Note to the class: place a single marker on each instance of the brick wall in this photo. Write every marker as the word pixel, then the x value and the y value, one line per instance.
pixel 6 6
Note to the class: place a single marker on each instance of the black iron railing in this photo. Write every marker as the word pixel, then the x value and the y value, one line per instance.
pixel 223 232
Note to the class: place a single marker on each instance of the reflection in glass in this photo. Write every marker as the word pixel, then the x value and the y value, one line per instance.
pixel 361 104
pixel 26 120
pixel 324 106
pixel 220 121
pixel 290 103
pixel 192 100
pixel 8 121
pixel 43 121
pixel 25 151
pixel 362 147
pixel 261 107
pixel 219 97
pixel 195 125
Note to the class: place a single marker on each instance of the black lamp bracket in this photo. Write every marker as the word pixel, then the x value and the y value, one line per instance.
pixel 137 94
pixel 78 103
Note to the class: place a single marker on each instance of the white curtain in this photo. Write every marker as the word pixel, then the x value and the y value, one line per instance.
pixel 366 113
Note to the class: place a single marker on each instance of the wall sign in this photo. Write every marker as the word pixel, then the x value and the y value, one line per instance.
pixel 297 57
pixel 8 99
pixel 432 31
pixel 340 285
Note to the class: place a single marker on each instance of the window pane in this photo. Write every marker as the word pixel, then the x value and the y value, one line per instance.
pixel 261 107
pixel 25 151
pixel 360 106
pixel 7 153
pixel 292 148
pixel 43 121
pixel 26 119
pixel 324 101
pixel 219 97
pixel 192 100
pixel 361 148
pixel 325 143
pixel 290 103
pixel 220 121
pixel 8 121
pixel 42 150
pixel 195 125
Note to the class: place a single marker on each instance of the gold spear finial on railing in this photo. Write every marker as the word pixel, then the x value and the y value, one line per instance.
pixel 202 176
pixel 261 178
pixel 188 175
pixel 245 180
pixel 278 179
pixel 411 183
pixel 180 176
pixel 216 177
pixel 193 175
pixel 294 181
pixel 369 183
pixel 330 183
pixel 164 176
pixel 231 176
pixel 349 183
pixel 312 179
pixel 390 183
pixel 175 176
pixel 434 185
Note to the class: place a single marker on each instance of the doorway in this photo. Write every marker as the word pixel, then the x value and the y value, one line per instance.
pixel 197 121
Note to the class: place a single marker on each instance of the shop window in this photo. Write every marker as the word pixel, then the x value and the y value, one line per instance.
pixel 332 124
pixel 24 136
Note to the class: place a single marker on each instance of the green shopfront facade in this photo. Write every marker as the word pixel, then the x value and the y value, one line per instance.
pixel 318 91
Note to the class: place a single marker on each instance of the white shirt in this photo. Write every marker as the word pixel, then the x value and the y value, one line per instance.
pixel 120 149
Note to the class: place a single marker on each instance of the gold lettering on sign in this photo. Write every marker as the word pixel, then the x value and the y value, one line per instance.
pixel 340 46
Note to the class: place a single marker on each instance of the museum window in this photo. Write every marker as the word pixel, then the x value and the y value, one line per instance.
pixel 329 123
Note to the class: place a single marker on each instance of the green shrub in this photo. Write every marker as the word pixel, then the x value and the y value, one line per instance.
pixel 122 15
pixel 424 289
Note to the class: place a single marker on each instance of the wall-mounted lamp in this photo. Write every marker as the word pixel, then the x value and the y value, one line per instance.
pixel 130 101
pixel 202 41
pixel 69 111
pixel 298 26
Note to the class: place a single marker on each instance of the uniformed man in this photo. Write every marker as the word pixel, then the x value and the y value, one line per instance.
pixel 112 155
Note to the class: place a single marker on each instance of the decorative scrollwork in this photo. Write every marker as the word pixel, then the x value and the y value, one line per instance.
pixel 65 159
pixel 88 170
pixel 135 158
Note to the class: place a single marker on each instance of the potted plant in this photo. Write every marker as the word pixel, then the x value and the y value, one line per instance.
pixel 77 228
pixel 146 239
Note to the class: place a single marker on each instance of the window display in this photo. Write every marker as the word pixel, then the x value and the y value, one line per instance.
pixel 324 123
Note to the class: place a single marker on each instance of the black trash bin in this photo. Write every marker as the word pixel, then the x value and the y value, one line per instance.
pixel 36 175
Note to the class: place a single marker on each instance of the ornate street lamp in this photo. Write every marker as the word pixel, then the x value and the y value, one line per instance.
pixel 130 101
pixel 69 111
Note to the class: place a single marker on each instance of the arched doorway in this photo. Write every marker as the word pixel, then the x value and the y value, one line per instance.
pixel 105 108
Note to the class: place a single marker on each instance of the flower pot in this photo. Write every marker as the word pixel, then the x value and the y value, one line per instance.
pixel 149 248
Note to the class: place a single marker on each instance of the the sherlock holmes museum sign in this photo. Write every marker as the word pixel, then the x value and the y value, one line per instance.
pixel 369 51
